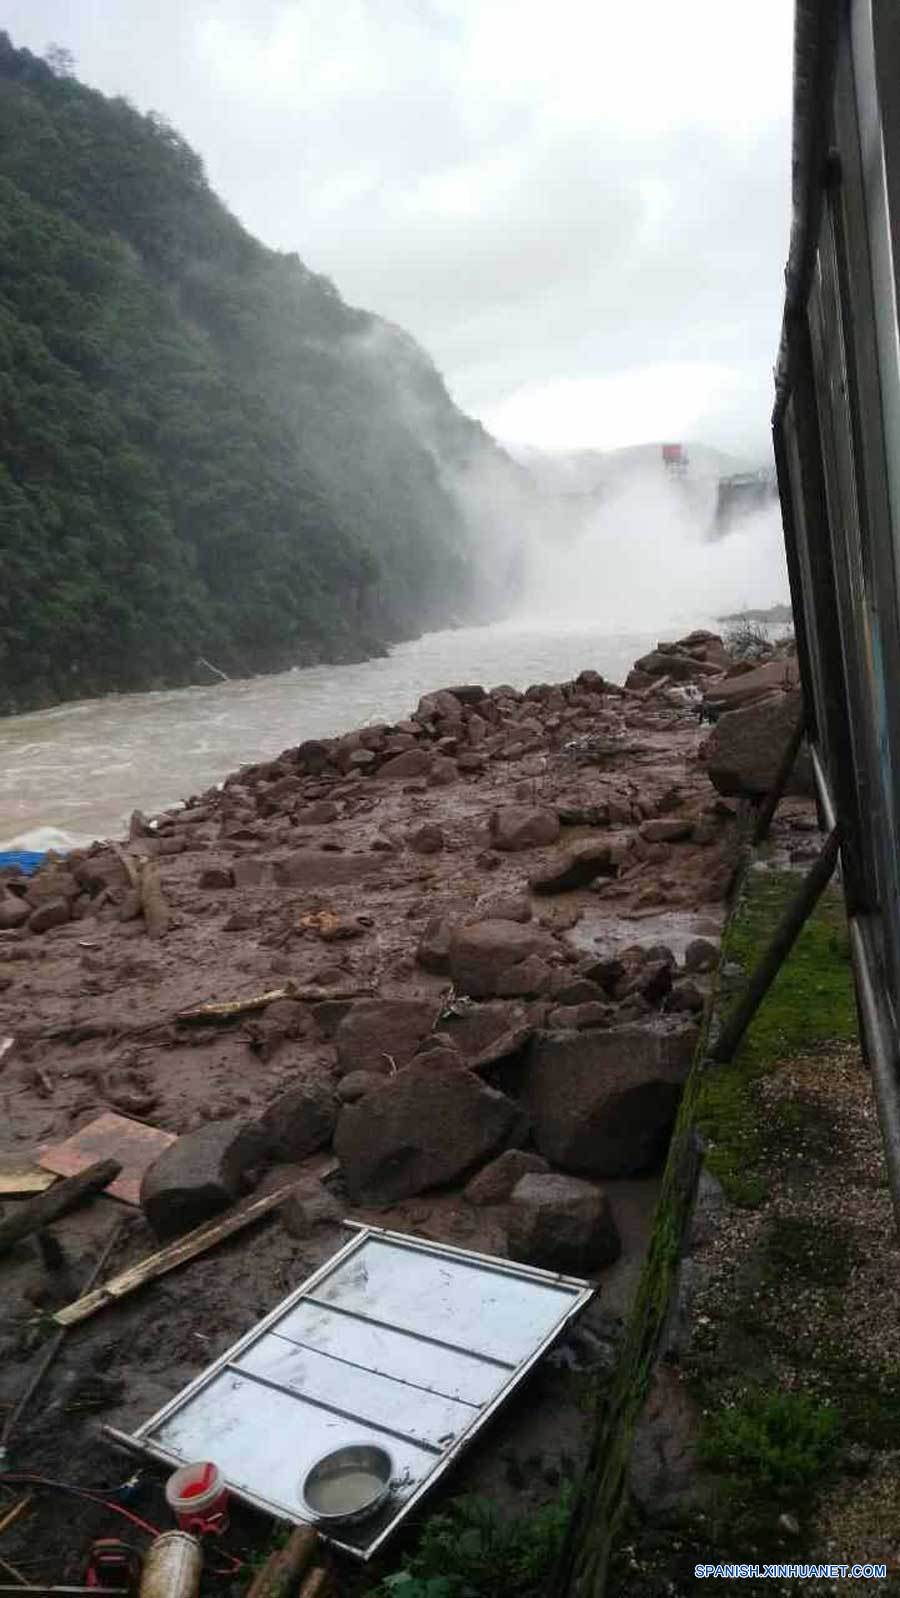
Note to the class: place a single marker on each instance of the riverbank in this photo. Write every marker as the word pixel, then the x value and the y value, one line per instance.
pixel 437 931
pixel 75 772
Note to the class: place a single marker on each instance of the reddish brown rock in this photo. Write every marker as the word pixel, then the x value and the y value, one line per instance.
pixel 443 772
pixel 685 998
pixel 603 1102
pixel 313 755
pixel 216 877
pixel 471 762
pixel 468 693
pixel 422 1129
pixel 103 870
pixel 357 1084
pixel 485 1034
pixel 427 839
pixel 675 664
pixel 14 912
pixel 320 814
pixel 487 958
pixel 376 1032
pixel 667 829
pixel 441 703
pixel 576 869
pixel 561 1224
pixel 502 907
pixel 495 1184
pixel 302 1212
pixel 251 873
pixel 578 1016
pixel 568 989
pixel 523 827
pixel 527 979
pixel 200 1175
pixel 54 882
pixel 413 763
pixel 745 748
pixel 701 955
pixel 299 1121
pixel 50 913
pixel 749 686
pixel 319 868
pixel 433 950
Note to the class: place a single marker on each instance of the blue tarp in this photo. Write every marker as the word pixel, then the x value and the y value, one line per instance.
pixel 25 860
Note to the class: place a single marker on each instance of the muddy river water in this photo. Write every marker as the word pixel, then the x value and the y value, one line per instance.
pixel 76 771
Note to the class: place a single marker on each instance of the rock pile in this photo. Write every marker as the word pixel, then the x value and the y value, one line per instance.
pixel 457 938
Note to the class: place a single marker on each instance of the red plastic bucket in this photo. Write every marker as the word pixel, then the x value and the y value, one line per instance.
pixel 198 1497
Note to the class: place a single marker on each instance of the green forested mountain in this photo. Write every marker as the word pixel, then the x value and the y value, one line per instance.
pixel 203 450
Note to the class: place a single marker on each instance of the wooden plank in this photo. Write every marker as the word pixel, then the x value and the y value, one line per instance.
pixel 279 1576
pixel 234 1008
pixel 21 1178
pixel 169 1258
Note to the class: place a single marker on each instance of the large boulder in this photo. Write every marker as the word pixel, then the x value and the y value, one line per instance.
pixel 561 1224
pixel 671 663
pixel 377 1031
pixel 523 827
pixel 200 1174
pixel 13 911
pixel 745 748
pixel 499 957
pixel 317 868
pixel 103 870
pixel 50 913
pixel 733 693
pixel 433 949
pixel 54 882
pixel 443 702
pixel 485 1034
pixel 300 1121
pixel 576 868
pixel 423 1129
pixel 412 763
pixel 602 1103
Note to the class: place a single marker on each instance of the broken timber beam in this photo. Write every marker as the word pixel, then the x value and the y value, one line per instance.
pixel 57 1200
pixel 782 778
pixel 169 1258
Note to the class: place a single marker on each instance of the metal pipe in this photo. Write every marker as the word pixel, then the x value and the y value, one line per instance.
pixel 773 957
pixel 782 778
pixel 878 1036
pixel 825 799
pixel 882 1059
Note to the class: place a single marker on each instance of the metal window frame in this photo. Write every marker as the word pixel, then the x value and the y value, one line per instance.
pixel 142 1440
pixel 836 429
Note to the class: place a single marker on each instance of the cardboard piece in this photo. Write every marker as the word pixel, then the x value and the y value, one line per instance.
pixel 116 1137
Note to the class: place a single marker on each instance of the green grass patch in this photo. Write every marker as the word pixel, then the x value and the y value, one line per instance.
pixel 471 1551
pixel 810 1003
pixel 775 1442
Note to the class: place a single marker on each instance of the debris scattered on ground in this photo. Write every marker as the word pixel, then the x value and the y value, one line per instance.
pixel 398 972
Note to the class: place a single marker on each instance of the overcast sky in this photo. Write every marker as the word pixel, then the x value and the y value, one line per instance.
pixel 579 207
